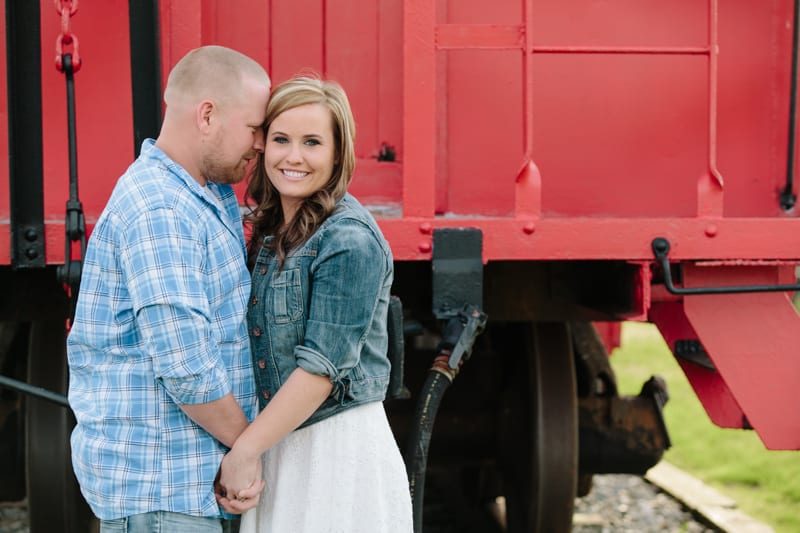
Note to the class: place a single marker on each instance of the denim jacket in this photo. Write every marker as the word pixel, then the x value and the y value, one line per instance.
pixel 325 311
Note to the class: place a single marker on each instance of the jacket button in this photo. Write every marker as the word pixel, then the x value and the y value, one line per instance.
pixel 257 332
pixel 265 394
pixel 262 364
pixel 263 270
pixel 254 300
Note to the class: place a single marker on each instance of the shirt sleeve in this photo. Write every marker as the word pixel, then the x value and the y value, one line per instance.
pixel 163 260
pixel 347 279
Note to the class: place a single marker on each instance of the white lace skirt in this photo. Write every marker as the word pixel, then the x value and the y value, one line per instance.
pixel 343 474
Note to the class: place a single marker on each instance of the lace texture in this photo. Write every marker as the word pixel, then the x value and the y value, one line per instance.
pixel 343 474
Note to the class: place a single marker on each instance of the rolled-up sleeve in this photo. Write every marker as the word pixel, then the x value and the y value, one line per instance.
pixel 347 277
pixel 163 258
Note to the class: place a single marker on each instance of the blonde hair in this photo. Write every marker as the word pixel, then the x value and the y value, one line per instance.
pixel 267 215
pixel 212 72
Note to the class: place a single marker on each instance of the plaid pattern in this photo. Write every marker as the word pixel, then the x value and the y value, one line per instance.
pixel 160 321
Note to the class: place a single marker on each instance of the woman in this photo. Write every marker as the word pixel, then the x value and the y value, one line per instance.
pixel 322 271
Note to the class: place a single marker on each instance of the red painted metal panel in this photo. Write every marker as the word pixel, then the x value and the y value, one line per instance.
pixel 618 108
pixel 484 36
pixel 621 23
pixel 755 357
pixel 484 138
pixel 419 108
pixel 181 31
pixel 610 333
pixel 103 111
pixel 185 25
pixel 755 60
pixel 298 33
pixel 242 25
pixel 351 57
pixel 606 238
pixel 619 135
pixel 708 385
pixel 390 76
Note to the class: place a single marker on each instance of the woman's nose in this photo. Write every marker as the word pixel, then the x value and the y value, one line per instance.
pixel 295 155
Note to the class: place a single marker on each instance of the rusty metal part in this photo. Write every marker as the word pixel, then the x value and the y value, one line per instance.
pixel 623 434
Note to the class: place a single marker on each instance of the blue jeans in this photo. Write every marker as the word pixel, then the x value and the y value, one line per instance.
pixel 161 522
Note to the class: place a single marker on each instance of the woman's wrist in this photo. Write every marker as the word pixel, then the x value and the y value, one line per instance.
pixel 244 449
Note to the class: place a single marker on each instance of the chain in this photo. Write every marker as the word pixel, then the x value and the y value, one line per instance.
pixel 75 226
pixel 67 8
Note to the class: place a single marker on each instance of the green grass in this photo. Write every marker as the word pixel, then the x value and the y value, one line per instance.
pixel 764 483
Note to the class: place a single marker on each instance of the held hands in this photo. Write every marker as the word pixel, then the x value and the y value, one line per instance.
pixel 238 486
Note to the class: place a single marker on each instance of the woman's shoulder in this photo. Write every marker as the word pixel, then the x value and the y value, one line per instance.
pixel 351 222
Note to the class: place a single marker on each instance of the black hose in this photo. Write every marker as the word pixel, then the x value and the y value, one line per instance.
pixel 420 438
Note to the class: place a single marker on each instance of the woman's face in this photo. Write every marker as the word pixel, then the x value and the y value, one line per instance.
pixel 299 154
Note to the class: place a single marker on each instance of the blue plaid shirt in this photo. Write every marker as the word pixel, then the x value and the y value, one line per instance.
pixel 160 321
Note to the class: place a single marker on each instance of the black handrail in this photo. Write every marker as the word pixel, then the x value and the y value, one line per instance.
pixel 26 388
pixel 661 247
pixel 788 198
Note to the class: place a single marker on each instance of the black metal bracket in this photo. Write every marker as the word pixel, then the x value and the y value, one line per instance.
pixel 23 58
pixel 457 270
pixel 145 70
pixel 396 351
pixel 661 247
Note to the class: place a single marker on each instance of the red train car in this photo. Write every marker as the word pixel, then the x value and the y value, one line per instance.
pixel 538 166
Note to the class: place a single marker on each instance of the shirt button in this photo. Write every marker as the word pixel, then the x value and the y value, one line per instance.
pixel 262 364
pixel 257 332
pixel 265 394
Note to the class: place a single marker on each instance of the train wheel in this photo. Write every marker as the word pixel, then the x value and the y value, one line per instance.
pixel 54 500
pixel 539 431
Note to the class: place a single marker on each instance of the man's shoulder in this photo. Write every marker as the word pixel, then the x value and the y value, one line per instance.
pixel 148 186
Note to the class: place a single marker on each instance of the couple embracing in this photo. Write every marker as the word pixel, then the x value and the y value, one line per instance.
pixel 213 375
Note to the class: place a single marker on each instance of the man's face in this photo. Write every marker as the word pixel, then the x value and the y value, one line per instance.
pixel 238 136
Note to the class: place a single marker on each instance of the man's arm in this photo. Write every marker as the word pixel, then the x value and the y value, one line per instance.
pixel 222 418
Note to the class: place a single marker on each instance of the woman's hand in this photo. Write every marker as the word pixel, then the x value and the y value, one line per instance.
pixel 239 483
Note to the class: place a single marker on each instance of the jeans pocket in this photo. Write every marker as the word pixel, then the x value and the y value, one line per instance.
pixel 117 525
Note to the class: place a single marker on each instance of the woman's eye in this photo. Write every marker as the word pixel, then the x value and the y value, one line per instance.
pixel 312 142
pixel 280 140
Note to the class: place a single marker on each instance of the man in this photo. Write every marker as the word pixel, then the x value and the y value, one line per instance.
pixel 160 374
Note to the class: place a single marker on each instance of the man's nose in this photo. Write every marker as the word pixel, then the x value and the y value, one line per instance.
pixel 259 140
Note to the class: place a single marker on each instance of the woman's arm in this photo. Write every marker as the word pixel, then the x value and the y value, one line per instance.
pixel 295 401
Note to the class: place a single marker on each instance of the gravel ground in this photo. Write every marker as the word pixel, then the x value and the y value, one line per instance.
pixel 13 517
pixel 616 504
pixel 629 504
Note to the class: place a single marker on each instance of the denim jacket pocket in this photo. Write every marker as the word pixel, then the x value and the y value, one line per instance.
pixel 287 296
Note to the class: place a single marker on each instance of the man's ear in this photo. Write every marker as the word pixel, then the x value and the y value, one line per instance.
pixel 205 112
